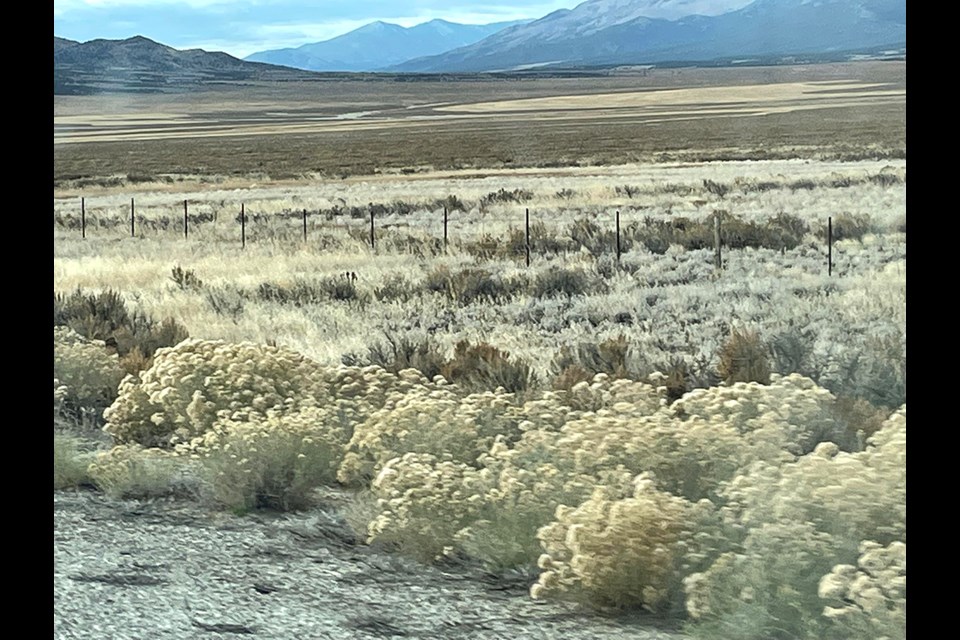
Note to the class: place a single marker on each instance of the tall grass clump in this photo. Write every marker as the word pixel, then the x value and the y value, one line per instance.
pixel 561 281
pixel 134 471
pixel 471 285
pixel 580 363
pixel 744 357
pixel 104 316
pixel 396 353
pixel 69 464
pixel 483 367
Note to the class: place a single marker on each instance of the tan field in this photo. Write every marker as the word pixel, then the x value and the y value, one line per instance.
pixel 647 106
pixel 341 128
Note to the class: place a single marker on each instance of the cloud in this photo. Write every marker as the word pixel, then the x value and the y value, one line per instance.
pixel 241 27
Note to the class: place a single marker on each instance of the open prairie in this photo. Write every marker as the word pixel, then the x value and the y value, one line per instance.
pixel 343 127
pixel 635 342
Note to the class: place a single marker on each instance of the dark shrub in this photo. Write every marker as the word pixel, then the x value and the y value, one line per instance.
pixel 716 188
pixel 398 353
pixel 792 352
pixel 470 285
pixel 588 234
pixel 885 179
pixel 483 367
pixel 587 359
pixel 395 288
pixel 558 281
pixel 847 226
pixel 104 316
pixel 517 195
pixel 744 358
pixel 185 279
pixel 570 376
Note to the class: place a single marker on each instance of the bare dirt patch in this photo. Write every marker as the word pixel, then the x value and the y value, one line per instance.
pixel 168 569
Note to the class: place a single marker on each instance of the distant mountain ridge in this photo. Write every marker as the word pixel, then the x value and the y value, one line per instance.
pixel 594 33
pixel 140 64
pixel 380 44
pixel 62 43
pixel 612 32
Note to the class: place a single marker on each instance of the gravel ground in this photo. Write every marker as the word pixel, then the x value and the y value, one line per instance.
pixel 170 569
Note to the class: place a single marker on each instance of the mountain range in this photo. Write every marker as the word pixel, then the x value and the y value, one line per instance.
pixel 140 64
pixel 596 33
pixel 380 44
pixel 615 32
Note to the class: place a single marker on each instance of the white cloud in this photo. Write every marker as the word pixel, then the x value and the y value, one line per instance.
pixel 242 27
pixel 66 5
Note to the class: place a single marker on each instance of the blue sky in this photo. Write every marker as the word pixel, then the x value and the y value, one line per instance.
pixel 241 27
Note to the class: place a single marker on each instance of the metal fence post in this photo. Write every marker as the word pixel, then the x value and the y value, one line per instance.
pixel 528 237
pixel 716 239
pixel 830 246
pixel 618 236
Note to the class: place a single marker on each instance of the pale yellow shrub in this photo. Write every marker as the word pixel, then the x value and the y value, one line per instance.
pixel 356 393
pixel 196 383
pixel 617 552
pixel 549 412
pixel 85 373
pixel 61 393
pixel 268 424
pixel 620 394
pixel 562 454
pixel 854 496
pixel 766 588
pixel 688 457
pixel 788 525
pixel 523 491
pixel 271 461
pixel 791 413
pixel 868 600
pixel 429 420
pixel 423 502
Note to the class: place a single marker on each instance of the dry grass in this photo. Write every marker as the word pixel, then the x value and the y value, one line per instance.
pixel 476 288
pixel 423 125
pixel 280 289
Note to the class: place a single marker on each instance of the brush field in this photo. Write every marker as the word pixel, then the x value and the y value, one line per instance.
pixel 632 428
pixel 339 127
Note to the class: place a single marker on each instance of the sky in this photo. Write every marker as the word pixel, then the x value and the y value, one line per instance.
pixel 242 27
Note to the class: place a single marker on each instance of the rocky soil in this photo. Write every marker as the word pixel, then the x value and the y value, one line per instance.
pixel 171 569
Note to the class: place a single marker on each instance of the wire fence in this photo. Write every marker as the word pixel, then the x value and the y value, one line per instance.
pixel 302 225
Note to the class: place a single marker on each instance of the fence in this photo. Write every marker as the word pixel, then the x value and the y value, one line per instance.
pixel 718 239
